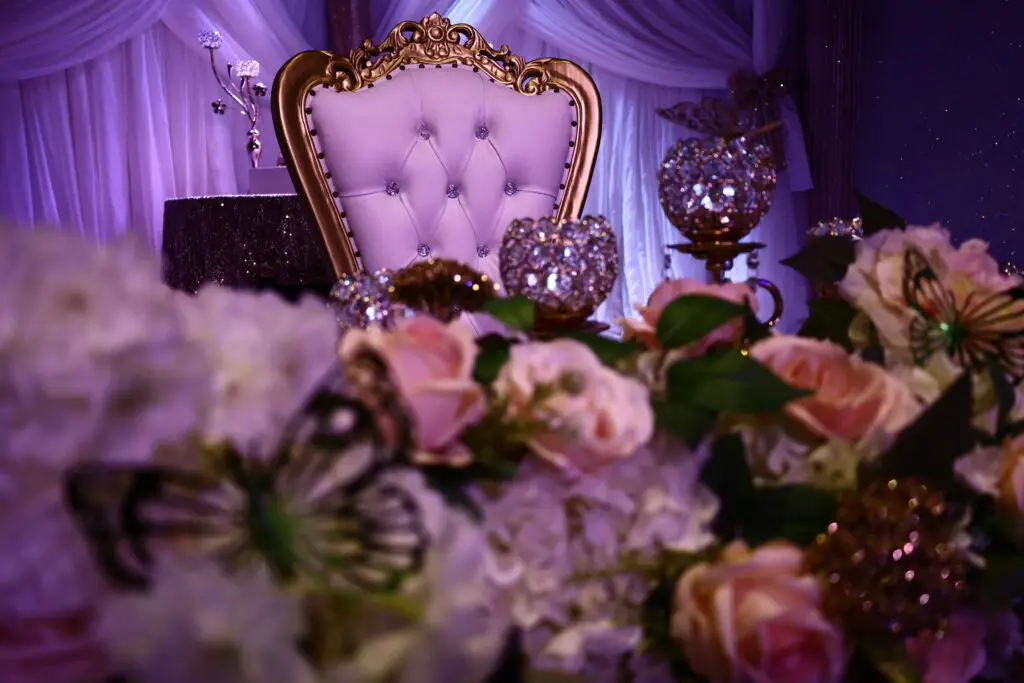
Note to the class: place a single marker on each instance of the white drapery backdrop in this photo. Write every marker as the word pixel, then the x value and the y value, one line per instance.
pixel 643 56
pixel 106 108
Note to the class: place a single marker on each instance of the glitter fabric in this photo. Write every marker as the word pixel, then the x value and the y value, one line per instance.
pixel 716 186
pixel 364 300
pixel 242 241
pixel 838 227
pixel 567 268
pixel 891 561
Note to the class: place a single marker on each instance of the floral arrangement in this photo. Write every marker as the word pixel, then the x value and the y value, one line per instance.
pixel 222 487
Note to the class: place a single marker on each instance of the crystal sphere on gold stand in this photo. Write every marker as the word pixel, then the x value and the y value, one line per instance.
pixel 567 268
pixel 715 191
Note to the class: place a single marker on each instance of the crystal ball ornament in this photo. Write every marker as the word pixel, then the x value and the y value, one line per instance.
pixel 716 189
pixel 838 227
pixel 209 39
pixel 364 300
pixel 567 268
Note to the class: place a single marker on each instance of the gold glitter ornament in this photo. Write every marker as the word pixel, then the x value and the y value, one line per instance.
pixel 890 561
pixel 443 288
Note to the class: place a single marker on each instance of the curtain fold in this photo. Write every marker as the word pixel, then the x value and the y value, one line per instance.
pixel 41 37
pixel 99 146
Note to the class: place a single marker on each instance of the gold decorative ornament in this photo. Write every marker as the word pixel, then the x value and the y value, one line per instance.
pixel 434 41
pixel 891 562
pixel 443 288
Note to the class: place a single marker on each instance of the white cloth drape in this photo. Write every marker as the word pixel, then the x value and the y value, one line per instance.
pixel 643 56
pixel 99 143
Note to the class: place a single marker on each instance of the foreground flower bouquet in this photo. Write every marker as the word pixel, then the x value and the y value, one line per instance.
pixel 240 493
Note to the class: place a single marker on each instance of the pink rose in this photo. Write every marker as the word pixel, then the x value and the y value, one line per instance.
pixel 431 364
pixel 583 413
pixel 756 617
pixel 52 650
pixel 974 644
pixel 853 399
pixel 645 328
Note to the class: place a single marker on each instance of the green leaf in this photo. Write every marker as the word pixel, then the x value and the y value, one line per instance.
pixel 727 474
pixel 891 660
pixel 609 351
pixel 930 445
pixel 1006 395
pixel 515 312
pixel 829 319
pixel 690 318
pixel 823 260
pixel 794 512
pixel 689 423
pixel 729 381
pixel 754 330
pixel 494 353
pixel 875 217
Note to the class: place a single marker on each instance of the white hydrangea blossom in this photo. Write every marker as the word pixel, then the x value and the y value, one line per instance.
pixel 199 624
pixel 267 357
pixel 94 365
pixel 560 546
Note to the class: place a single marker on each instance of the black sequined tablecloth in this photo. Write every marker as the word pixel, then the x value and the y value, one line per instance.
pixel 244 241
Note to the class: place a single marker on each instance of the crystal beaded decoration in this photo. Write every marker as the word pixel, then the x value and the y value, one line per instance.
pixel 211 40
pixel 483 251
pixel 424 133
pixel 482 133
pixel 510 188
pixel 566 267
pixel 453 191
pixel 391 189
pixel 247 68
pixel 716 187
pixel 423 250
pixel 364 300
pixel 838 227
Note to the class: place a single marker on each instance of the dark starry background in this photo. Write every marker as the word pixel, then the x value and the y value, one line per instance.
pixel 941 130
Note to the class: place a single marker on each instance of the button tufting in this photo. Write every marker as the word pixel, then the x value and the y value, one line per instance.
pixel 510 188
pixel 391 188
pixel 453 191
pixel 424 132
pixel 482 133
pixel 423 250
pixel 483 250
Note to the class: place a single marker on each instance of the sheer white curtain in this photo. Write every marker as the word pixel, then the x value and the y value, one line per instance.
pixel 644 56
pixel 95 136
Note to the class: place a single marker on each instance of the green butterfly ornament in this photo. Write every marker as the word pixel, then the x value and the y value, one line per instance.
pixel 320 510
pixel 974 331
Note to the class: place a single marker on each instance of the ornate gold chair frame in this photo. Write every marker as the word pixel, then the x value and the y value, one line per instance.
pixel 437 41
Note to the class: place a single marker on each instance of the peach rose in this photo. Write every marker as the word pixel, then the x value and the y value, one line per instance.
pixel 1011 483
pixel 586 415
pixel 974 644
pixel 756 617
pixel 431 364
pixel 874 282
pixel 853 399
pixel 645 328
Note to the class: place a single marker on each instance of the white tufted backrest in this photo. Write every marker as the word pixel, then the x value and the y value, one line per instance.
pixel 438 161
pixel 430 144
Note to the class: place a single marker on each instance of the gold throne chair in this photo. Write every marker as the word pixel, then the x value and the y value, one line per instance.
pixel 430 143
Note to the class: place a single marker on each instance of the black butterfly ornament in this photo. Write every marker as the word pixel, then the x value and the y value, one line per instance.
pixel 975 330
pixel 325 508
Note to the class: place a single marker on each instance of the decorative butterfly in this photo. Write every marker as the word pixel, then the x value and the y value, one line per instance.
pixel 324 507
pixel 973 332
